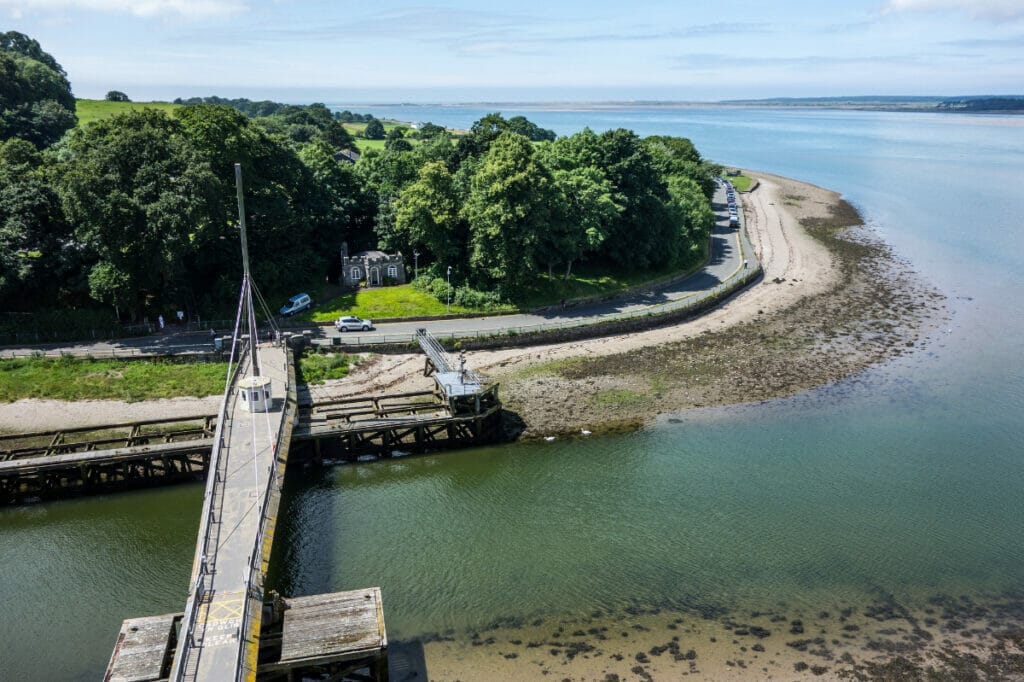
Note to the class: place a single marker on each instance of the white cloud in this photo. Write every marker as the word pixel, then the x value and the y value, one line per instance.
pixel 982 9
pixel 190 9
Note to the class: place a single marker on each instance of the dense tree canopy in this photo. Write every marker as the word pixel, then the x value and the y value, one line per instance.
pixel 36 103
pixel 138 212
pixel 427 214
pixel 36 252
pixel 135 190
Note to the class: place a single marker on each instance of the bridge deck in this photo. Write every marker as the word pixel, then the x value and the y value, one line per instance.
pixel 225 610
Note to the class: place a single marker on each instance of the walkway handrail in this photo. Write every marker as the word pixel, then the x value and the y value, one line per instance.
pixel 186 639
pixel 253 590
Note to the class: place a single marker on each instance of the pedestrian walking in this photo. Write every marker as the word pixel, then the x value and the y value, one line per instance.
pixel 160 320
pixel 745 264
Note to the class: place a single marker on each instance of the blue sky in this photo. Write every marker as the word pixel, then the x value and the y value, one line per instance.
pixel 574 50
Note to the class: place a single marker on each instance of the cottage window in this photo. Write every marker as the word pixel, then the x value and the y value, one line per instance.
pixel 354 275
pixel 392 271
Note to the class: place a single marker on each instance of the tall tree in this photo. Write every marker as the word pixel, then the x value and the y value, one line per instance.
pixel 427 214
pixel 36 103
pixel 384 175
pixel 510 203
pixel 678 156
pixel 643 235
pixel 693 216
pixel 374 130
pixel 38 262
pixel 586 211
pixel 135 189
pixel 280 194
pixel 339 208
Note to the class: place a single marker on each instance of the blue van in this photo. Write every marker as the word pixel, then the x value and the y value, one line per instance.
pixel 296 304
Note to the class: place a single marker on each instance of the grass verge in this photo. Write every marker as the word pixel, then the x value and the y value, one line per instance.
pixel 589 283
pixel 71 378
pixel 742 183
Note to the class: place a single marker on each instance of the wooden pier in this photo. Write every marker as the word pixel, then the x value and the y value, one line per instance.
pixel 398 424
pixel 461 410
pixel 326 636
pixel 96 459
pixel 122 435
pixel 98 471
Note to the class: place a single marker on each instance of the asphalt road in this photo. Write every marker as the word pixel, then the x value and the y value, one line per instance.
pixel 725 261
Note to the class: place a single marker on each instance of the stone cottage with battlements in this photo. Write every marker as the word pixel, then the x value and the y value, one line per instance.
pixel 376 268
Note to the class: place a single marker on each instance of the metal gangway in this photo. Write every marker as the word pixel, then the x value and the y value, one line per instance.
pixel 441 360
pixel 453 381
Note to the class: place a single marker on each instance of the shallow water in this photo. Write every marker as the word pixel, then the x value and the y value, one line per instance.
pixel 900 484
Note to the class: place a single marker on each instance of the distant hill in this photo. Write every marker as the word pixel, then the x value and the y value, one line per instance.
pixel 984 104
pixel 966 104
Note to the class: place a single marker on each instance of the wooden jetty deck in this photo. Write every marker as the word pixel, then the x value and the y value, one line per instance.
pixel 399 423
pixel 326 635
pixel 102 470
pixel 107 436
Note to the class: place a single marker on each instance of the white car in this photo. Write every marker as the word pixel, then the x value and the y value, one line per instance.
pixel 344 324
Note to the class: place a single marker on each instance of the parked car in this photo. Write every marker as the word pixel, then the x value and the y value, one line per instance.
pixel 296 304
pixel 351 322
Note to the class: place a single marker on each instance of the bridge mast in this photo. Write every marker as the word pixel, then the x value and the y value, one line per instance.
pixel 246 277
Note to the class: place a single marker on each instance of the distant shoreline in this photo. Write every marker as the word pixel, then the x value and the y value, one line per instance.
pixel 1013 105
pixel 924 105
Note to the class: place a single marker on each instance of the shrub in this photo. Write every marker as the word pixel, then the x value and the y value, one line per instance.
pixel 481 300
pixel 316 368
pixel 463 296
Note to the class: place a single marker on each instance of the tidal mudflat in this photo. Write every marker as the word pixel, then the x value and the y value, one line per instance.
pixel 946 637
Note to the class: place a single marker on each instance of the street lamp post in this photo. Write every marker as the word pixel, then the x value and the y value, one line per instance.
pixel 449 289
pixel 416 264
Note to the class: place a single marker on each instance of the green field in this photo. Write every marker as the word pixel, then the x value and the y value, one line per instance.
pixel 373 304
pixel 89 110
pixel 69 378
pixel 363 145
pixel 406 301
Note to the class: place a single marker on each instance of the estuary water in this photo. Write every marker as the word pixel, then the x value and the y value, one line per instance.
pixel 901 484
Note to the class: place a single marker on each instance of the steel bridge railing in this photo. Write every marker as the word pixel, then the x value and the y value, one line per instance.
pixel 184 666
